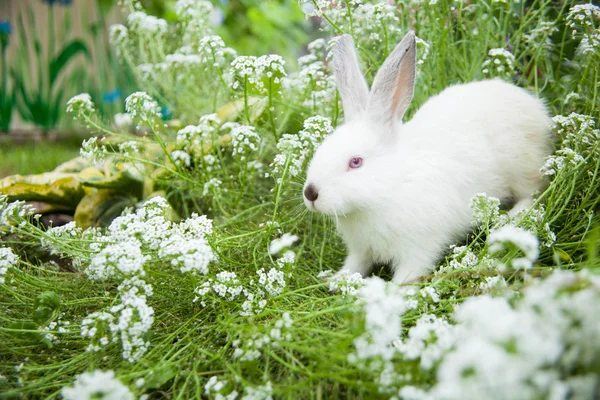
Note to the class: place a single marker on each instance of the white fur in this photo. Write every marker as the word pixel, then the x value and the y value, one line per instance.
pixel 410 199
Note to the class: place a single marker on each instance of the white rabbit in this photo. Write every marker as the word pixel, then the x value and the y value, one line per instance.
pixel 400 193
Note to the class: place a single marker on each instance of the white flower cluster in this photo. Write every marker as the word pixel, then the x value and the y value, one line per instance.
pixel 284 242
pixel 314 85
pixel 14 214
pixel 273 281
pixel 127 322
pixel 263 392
pixel 533 220
pixel 538 348
pixel 142 108
pixel 463 257
pixel 372 23
pixel 213 52
pixel 343 282
pixel 486 210
pixel 214 388
pixel 97 385
pixel 243 138
pixel 511 237
pixel 313 8
pixel 226 285
pixel 181 158
pixel 80 105
pixel 92 150
pixel 299 148
pixel 383 304
pixel 493 282
pixel 122 121
pixel 121 252
pixel 194 140
pixel 124 258
pixel 583 18
pixel 261 73
pixel 428 341
pixel 589 46
pixel 250 349
pixel 579 140
pixel 186 245
pixel 145 24
pixel 211 186
pixel 119 38
pixel 8 259
pixel 194 17
pixel 541 34
pixel 526 227
pixel 500 63
pixel 54 328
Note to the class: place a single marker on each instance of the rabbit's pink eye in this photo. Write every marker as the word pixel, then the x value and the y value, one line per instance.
pixel 355 162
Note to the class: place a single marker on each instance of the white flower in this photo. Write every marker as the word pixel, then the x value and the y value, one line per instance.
pixel 524 240
pixel 181 158
pixel 118 38
pixel 212 185
pixel 428 340
pixel 264 392
pixel 299 148
pixel 286 241
pixel 143 23
pixel 190 255
pixel 141 107
pixel 429 291
pixel 492 282
pixel 8 259
pixel 97 385
pixel 486 210
pixel 125 257
pixel 194 16
pixel 500 63
pixel 243 138
pixel 583 17
pixel 260 72
pixel 384 305
pixel 347 284
pixel 80 105
pixel 123 120
pixel 272 281
pixel 129 148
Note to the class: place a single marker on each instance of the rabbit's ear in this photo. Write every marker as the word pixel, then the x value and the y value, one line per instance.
pixel 351 82
pixel 394 84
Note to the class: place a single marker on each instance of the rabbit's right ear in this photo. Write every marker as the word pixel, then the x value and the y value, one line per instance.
pixel 351 82
pixel 394 84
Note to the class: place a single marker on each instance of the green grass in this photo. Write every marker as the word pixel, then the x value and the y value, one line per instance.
pixel 34 158
pixel 191 342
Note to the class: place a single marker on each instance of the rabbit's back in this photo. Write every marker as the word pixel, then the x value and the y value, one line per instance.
pixel 488 131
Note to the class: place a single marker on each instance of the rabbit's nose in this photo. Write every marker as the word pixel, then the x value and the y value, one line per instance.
pixel 311 193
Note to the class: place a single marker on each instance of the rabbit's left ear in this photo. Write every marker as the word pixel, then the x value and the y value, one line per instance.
pixel 394 84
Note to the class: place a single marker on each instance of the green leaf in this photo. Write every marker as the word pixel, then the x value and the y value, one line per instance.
pixel 68 52
pixel 160 376
pixel 44 307
pixel 29 330
pixel 51 187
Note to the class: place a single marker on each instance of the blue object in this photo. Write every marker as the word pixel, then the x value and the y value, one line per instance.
pixel 5 26
pixel 59 2
pixel 112 96
pixel 166 113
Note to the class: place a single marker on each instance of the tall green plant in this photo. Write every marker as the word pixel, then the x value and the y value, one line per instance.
pixel 42 103
pixel 7 92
